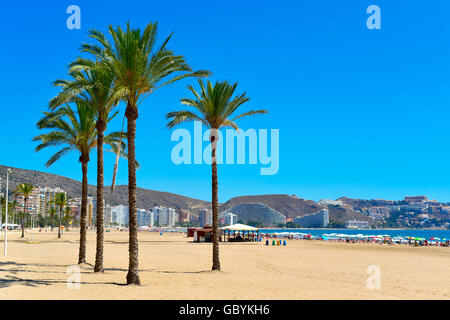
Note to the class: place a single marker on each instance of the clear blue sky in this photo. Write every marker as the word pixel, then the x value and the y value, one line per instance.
pixel 361 113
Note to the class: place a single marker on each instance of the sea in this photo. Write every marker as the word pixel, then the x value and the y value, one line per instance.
pixel 420 233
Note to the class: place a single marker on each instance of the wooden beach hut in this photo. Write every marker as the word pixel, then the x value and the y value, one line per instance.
pixel 203 234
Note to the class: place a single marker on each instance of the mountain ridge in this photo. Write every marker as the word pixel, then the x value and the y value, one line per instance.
pixel 290 206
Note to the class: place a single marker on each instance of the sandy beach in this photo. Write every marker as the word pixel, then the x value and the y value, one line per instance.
pixel 173 267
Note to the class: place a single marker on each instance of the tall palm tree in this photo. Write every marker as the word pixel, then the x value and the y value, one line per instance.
pixel 3 208
pixel 95 85
pixel 67 216
pixel 12 209
pixel 61 201
pixel 215 107
pixel 139 69
pixel 52 213
pixel 75 131
pixel 25 190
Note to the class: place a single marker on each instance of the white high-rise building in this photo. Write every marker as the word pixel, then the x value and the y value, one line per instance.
pixel 173 217
pixel 158 215
pixel 107 215
pixel 231 218
pixel 145 218
pixel 165 217
pixel 120 215
pixel 205 217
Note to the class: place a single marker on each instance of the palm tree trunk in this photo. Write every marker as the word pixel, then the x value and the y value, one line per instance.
pixel 133 274
pixel 59 228
pixel 215 209
pixel 100 232
pixel 83 214
pixel 23 219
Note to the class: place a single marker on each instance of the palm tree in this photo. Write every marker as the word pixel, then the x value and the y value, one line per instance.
pixel 61 201
pixel 214 107
pixel 25 190
pixel 75 131
pixel 67 216
pixel 52 213
pixel 12 209
pixel 3 208
pixel 139 69
pixel 95 85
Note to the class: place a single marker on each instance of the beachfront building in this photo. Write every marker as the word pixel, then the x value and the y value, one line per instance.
pixel 145 218
pixel 173 217
pixel 353 224
pixel 39 202
pixel 205 217
pixel 164 217
pixel 157 215
pixel 33 202
pixel 228 218
pixel 316 220
pixel 46 196
pixel 161 215
pixel 120 215
pixel 107 215
pixel 94 210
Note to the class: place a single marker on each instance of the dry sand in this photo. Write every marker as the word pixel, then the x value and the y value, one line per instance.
pixel 173 267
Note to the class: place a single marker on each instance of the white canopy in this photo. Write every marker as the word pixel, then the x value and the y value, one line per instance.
pixel 239 227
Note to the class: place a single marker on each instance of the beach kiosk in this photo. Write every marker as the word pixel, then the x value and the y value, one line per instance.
pixel 203 234
pixel 240 233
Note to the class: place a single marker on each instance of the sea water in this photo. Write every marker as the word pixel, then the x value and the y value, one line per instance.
pixel 420 233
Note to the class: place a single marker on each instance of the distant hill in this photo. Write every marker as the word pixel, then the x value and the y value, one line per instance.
pixel 359 204
pixel 258 212
pixel 341 214
pixel 146 198
pixel 292 207
pixel 289 206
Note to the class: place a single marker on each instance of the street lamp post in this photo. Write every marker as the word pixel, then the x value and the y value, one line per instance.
pixel 8 171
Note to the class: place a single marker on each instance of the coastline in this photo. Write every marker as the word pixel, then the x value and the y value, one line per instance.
pixel 174 267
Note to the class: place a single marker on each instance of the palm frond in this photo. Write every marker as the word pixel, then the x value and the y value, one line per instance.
pixel 215 105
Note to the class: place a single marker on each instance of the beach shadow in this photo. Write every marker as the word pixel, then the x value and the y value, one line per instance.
pixel 144 241
pixel 12 280
pixel 115 269
pixel 184 272
pixel 56 240
pixel 159 271
pixel 85 268
pixel 175 272
pixel 6 263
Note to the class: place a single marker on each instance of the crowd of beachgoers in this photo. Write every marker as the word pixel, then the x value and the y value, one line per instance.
pixel 333 237
pixel 360 238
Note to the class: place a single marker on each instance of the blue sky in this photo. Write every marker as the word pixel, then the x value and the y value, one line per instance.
pixel 361 113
